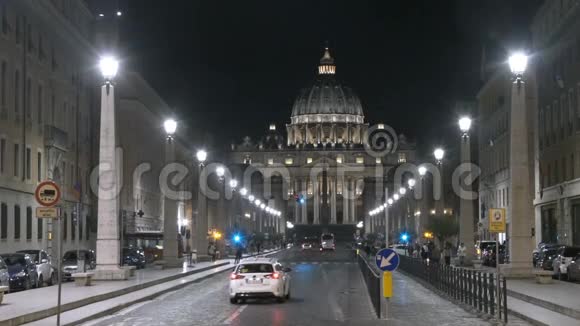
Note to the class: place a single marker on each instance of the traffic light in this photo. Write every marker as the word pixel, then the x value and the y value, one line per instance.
pixel 404 237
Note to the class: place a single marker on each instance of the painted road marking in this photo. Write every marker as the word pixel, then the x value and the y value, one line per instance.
pixel 235 314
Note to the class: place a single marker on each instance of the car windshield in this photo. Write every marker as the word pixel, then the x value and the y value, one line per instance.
pixel 327 237
pixel 33 254
pixel 14 259
pixel 255 268
pixel 72 255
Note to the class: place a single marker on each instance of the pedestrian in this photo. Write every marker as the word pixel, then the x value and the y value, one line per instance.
pixel 258 245
pixel 212 251
pixel 239 252
pixel 427 251
pixel 461 254
pixel 447 253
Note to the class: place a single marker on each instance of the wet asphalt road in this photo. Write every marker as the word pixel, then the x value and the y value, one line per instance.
pixel 326 288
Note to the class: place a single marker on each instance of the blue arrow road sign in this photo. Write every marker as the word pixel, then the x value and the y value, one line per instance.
pixel 387 260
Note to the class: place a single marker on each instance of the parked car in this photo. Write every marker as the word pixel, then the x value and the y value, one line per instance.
pixel 4 276
pixel 44 269
pixel 537 253
pixel 546 258
pixel 400 248
pixel 480 247
pixel 488 255
pixel 22 271
pixel 70 262
pixel 574 269
pixel 564 257
pixel 134 257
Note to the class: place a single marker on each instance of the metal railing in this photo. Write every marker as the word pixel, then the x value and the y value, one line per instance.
pixel 477 289
pixel 373 281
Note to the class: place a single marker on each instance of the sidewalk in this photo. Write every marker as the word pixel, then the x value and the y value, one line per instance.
pixel 27 306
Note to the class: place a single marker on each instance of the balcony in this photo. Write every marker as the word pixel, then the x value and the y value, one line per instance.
pixel 55 137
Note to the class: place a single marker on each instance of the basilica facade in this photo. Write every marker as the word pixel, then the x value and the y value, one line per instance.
pixel 327 165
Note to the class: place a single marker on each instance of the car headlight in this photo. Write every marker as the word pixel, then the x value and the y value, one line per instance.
pixel 20 274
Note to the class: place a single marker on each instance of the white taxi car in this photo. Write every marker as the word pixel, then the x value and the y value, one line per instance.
pixel 260 278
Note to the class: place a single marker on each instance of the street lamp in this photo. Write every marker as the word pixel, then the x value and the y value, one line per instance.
pixel 251 198
pixel 411 182
pixel 109 67
pixel 243 191
pixel 257 202
pixel 439 153
pixel 402 191
pixel 518 63
pixel 422 171
pixel 390 201
pixel 396 197
pixel 233 184
pixel 170 127
pixel 220 171
pixel 201 156
pixel 464 125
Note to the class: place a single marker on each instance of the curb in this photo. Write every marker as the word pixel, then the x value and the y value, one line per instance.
pixel 545 304
pixel 145 298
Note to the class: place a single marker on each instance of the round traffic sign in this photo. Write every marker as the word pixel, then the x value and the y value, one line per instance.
pixel 387 260
pixel 47 193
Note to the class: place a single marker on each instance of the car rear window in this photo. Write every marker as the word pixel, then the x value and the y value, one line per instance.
pixel 327 237
pixel 13 260
pixel 255 268
pixel 571 251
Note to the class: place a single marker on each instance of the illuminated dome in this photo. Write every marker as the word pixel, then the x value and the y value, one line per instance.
pixel 327 100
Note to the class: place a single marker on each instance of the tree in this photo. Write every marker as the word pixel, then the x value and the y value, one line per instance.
pixel 443 228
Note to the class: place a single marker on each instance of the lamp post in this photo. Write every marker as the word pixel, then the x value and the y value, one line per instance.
pixel 439 153
pixel 520 208
pixel 108 245
pixel 412 204
pixel 170 239
pixel 423 210
pixel 466 205
pixel 202 223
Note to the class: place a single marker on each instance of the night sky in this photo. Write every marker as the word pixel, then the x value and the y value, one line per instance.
pixel 231 67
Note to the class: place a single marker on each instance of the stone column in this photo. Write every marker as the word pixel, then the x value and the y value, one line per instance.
pixel 170 251
pixel 352 204
pixel 316 203
pixel 304 182
pixel 297 210
pixel 108 246
pixel 521 210
pixel 333 200
pixel 345 200
pixel 466 205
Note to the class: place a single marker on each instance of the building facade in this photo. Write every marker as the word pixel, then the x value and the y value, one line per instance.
pixel 556 38
pixel 47 110
pixel 323 170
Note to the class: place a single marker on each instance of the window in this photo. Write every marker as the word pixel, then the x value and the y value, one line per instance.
pixel 339 159
pixel 2 154
pixel 289 161
pixel 381 126
pixel 39 228
pixel 378 160
pixel 28 169
pixel 360 160
pixel 28 223
pixel 308 160
pixel 402 157
pixel 339 187
pixel 270 161
pixel 272 126
pixel 16 222
pixel 17 94
pixel 3 84
pixel 3 221
pixel 39 100
pixel 28 97
pixel 64 226
pixel 39 166
pixel 16 160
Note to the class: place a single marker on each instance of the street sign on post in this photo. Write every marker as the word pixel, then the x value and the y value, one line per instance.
pixel 497 220
pixel 47 212
pixel 47 193
pixel 387 260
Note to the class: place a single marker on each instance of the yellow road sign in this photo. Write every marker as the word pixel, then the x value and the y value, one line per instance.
pixel 387 284
pixel 497 220
pixel 47 212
